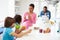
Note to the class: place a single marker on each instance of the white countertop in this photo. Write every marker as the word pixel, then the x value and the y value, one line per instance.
pixel 35 35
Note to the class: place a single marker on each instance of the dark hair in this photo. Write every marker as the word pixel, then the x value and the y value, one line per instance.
pixel 8 22
pixel 32 5
pixel 45 7
pixel 18 18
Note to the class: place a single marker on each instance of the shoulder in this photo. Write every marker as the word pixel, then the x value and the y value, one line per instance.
pixel 34 13
pixel 42 11
pixel 48 11
pixel 25 13
pixel 9 29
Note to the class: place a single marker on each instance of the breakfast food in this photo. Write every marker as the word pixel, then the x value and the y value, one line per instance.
pixel 23 28
pixel 51 22
pixel 48 30
pixel 36 28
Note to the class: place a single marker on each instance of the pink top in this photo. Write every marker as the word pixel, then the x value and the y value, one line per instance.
pixel 29 19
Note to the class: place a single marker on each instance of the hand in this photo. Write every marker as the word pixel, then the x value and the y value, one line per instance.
pixel 23 28
pixel 17 31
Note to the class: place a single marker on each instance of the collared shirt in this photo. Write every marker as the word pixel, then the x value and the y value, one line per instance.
pixel 48 14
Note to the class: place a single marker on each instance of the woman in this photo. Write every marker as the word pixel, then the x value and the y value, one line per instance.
pixel 29 17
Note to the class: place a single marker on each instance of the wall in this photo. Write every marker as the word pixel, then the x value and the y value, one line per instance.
pixel 3 9
pixel 24 5
pixel 6 8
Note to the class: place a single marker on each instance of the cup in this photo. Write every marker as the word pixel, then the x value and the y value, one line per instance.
pixel 40 30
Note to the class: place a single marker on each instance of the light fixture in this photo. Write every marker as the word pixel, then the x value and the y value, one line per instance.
pixel 54 2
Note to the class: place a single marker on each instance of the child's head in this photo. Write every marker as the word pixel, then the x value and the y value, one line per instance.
pixel 9 22
pixel 18 18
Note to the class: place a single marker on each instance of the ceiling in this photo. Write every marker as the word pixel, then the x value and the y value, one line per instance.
pixel 54 2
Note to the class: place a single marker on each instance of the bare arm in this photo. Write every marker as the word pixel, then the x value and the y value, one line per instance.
pixel 20 34
pixel 20 30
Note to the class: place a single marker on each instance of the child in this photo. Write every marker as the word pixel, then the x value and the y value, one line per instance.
pixel 9 34
pixel 18 19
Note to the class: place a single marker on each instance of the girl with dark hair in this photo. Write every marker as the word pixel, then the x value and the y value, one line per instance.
pixel 18 20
